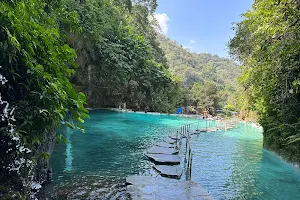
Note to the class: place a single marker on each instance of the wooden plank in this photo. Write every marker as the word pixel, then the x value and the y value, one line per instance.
pixel 165 159
pixel 162 150
pixel 149 188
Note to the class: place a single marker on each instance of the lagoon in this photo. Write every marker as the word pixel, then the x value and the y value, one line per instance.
pixel 229 164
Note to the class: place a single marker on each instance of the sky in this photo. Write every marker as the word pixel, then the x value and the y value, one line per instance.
pixel 202 26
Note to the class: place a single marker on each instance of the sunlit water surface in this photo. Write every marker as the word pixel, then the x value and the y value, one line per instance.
pixel 230 165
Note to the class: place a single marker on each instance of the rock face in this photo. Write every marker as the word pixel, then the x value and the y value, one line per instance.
pixel 149 188
pixel 43 171
pixel 19 182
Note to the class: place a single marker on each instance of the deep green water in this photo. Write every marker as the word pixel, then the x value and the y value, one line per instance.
pixel 231 165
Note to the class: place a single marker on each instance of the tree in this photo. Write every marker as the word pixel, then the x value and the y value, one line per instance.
pixel 37 64
pixel 267 44
pixel 194 68
pixel 205 95
pixel 117 57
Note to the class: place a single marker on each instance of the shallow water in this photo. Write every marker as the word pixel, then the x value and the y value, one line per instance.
pixel 231 164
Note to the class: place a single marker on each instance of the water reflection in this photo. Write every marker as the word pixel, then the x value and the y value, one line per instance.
pixel 69 157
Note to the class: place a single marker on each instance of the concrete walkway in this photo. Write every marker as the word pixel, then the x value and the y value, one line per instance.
pixel 165 156
pixel 150 188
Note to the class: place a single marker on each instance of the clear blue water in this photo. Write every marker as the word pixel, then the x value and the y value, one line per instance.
pixel 231 164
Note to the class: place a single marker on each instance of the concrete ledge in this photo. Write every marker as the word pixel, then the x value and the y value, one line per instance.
pixel 149 188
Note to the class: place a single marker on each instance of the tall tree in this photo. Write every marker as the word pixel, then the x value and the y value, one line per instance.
pixel 267 44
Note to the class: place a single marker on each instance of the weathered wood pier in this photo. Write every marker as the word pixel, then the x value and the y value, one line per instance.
pixel 169 165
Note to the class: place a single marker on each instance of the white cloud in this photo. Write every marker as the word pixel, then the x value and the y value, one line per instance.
pixel 192 41
pixel 163 22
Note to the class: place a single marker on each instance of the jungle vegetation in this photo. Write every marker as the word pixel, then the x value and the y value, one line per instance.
pixel 59 57
pixel 206 80
pixel 268 47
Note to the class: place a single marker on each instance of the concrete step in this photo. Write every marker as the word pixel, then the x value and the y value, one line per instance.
pixel 169 171
pixel 164 159
pixel 165 145
pixel 162 150
pixel 147 187
pixel 169 140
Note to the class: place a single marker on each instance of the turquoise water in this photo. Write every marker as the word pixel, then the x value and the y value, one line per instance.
pixel 231 165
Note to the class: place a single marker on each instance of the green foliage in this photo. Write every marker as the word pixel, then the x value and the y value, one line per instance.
pixel 205 95
pixel 268 46
pixel 207 80
pixel 117 57
pixel 230 107
pixel 37 64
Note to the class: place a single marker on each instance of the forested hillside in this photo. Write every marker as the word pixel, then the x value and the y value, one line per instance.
pixel 119 58
pixel 54 54
pixel 207 80
pixel 267 43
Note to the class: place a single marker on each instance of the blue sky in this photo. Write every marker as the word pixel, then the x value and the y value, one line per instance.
pixel 201 25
